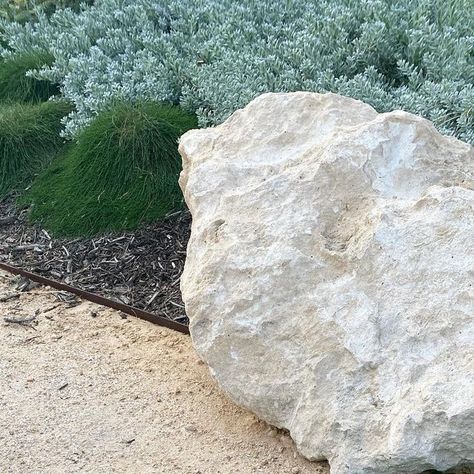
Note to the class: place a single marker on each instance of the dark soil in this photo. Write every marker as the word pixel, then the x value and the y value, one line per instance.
pixel 140 268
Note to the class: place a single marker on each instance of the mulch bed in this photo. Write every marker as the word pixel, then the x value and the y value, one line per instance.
pixel 140 268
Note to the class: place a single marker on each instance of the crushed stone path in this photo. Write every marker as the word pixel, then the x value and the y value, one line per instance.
pixel 85 389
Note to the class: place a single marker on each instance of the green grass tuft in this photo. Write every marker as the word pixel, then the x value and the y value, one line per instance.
pixel 16 86
pixel 122 172
pixel 29 138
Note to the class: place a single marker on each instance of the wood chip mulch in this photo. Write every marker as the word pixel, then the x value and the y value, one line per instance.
pixel 140 268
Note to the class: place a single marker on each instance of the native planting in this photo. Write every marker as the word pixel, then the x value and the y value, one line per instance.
pixel 23 11
pixel 123 171
pixel 29 139
pixel 212 57
pixel 16 85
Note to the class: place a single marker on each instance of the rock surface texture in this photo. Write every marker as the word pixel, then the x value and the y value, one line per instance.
pixel 330 278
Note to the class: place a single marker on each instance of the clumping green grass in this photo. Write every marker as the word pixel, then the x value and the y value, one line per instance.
pixel 16 86
pixel 29 138
pixel 121 172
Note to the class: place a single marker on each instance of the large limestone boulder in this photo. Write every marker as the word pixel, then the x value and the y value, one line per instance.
pixel 330 278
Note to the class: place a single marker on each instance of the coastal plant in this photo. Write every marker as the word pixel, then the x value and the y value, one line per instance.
pixel 23 11
pixel 29 139
pixel 212 57
pixel 122 171
pixel 17 86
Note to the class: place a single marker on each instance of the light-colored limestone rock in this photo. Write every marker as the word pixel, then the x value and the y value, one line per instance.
pixel 330 278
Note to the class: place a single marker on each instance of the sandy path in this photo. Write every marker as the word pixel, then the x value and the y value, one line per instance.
pixel 104 394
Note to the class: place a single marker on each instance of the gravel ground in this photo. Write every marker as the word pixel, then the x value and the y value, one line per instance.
pixel 84 389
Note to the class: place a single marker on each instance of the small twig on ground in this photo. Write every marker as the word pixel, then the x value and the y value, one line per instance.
pixel 47 310
pixel 69 298
pixel 21 321
pixel 26 284
pixel 5 298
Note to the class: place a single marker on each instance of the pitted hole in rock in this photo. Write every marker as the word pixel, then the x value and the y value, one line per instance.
pixel 214 230
pixel 346 229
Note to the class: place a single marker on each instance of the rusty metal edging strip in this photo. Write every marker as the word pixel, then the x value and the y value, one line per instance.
pixel 138 313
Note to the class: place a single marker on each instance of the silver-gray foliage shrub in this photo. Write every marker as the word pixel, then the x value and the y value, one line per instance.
pixel 214 56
